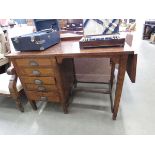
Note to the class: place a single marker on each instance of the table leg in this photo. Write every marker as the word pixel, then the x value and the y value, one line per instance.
pixel 112 73
pixel 74 74
pixel 19 105
pixel 119 85
pixel 65 107
pixel 33 104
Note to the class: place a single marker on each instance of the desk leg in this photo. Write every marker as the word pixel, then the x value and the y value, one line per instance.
pixel 119 86
pixel 33 104
pixel 112 73
pixel 19 105
pixel 65 107
pixel 74 74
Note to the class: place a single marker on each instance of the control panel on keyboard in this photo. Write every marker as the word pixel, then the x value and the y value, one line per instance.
pixel 93 38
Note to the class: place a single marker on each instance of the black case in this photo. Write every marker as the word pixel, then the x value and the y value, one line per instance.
pixel 40 40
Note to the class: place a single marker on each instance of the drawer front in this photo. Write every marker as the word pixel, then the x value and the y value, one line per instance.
pixel 39 96
pixel 41 88
pixel 35 62
pixel 39 80
pixel 37 71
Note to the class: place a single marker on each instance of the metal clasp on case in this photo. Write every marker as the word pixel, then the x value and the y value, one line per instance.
pixel 16 40
pixel 42 48
pixel 35 72
pixel 32 38
pixel 33 63
pixel 38 82
pixel 38 42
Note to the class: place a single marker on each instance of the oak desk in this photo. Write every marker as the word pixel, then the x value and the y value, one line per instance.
pixel 67 50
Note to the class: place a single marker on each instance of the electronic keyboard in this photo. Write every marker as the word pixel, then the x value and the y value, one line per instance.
pixel 101 41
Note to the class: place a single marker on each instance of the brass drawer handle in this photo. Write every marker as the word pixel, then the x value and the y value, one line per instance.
pixel 38 82
pixel 35 72
pixel 43 98
pixel 41 88
pixel 33 63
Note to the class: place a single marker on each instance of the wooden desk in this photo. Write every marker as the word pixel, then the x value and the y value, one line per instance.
pixel 67 50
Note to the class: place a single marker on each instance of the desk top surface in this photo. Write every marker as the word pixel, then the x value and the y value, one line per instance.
pixel 72 49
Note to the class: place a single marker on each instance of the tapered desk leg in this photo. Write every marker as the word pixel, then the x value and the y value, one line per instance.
pixel 65 107
pixel 33 104
pixel 74 74
pixel 19 105
pixel 119 86
pixel 112 73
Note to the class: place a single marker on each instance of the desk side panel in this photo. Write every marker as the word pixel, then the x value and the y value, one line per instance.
pixel 131 67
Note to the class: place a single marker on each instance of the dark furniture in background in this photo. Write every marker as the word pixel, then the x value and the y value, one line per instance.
pixel 73 25
pixel 149 28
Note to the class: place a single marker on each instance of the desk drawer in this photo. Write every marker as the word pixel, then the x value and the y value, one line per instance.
pixel 41 88
pixel 37 71
pixel 39 80
pixel 35 62
pixel 39 96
